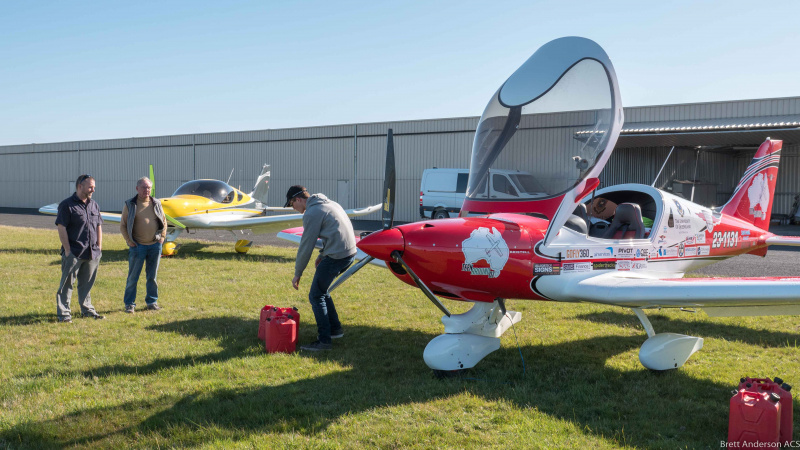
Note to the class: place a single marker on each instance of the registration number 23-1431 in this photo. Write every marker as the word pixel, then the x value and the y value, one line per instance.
pixel 725 240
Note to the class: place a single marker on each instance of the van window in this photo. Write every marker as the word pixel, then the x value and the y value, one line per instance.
pixel 502 185
pixel 527 183
pixel 461 184
pixel 438 181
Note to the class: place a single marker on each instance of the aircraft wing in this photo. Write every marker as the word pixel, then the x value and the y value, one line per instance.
pixel 632 290
pixel 294 235
pixel 274 224
pixel 52 210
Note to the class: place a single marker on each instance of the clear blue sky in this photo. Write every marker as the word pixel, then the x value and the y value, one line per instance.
pixel 80 70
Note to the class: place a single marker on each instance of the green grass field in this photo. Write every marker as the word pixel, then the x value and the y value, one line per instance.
pixel 194 375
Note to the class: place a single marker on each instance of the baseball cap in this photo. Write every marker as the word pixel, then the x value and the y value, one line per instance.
pixel 293 192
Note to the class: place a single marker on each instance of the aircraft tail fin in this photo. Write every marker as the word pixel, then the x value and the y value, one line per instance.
pixel 261 188
pixel 752 199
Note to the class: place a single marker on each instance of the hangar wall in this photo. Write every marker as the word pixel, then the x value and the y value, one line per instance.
pixel 346 162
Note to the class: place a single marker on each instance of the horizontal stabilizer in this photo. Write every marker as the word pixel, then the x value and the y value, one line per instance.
pixel 783 240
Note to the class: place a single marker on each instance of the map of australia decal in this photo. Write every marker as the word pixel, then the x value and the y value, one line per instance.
pixel 485 245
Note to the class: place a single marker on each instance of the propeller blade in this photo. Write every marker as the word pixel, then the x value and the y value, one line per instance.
pixel 428 293
pixel 175 222
pixel 387 216
pixel 353 269
pixel 152 182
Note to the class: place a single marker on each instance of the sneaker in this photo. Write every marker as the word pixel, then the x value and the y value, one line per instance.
pixel 130 309
pixel 64 320
pixel 316 346
pixel 94 316
pixel 153 307
pixel 337 334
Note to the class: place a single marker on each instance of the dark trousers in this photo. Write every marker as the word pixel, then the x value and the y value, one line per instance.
pixel 322 303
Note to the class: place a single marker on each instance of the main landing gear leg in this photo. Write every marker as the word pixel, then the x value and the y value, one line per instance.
pixel 170 248
pixel 665 351
pixel 469 336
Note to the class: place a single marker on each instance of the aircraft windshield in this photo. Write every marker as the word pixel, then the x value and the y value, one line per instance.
pixel 215 190
pixel 551 121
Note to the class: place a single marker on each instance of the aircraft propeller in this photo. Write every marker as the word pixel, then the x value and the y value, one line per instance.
pixel 387 219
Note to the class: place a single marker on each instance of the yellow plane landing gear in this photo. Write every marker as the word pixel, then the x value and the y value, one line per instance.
pixel 242 246
pixel 169 249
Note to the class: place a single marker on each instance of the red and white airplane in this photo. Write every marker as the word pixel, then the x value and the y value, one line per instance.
pixel 558 118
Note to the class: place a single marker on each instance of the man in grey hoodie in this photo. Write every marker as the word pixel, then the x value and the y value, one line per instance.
pixel 326 220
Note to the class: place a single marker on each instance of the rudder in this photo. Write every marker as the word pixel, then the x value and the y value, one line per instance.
pixel 261 187
pixel 752 199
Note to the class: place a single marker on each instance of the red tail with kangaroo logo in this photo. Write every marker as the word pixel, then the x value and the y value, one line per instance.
pixel 752 199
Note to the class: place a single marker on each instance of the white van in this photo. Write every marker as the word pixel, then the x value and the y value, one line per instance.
pixel 442 191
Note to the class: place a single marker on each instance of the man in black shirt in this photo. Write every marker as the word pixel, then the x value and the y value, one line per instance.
pixel 79 229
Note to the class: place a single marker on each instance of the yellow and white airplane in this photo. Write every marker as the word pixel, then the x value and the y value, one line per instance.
pixel 214 204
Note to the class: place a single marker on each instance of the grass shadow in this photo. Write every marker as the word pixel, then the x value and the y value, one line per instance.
pixel 703 329
pixel 27 319
pixel 569 381
pixel 234 334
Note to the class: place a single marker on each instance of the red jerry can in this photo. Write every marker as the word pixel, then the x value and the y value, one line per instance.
pixel 787 415
pixel 265 312
pixel 755 417
pixel 281 335
pixel 292 312
pixel 783 390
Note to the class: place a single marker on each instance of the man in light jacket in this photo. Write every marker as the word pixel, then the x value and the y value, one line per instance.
pixel 144 227
pixel 322 219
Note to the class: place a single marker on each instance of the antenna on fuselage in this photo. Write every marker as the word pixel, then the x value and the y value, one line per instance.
pixel 662 167
pixel 229 176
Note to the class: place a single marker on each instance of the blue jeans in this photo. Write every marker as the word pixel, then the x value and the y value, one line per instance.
pixel 321 302
pixel 137 257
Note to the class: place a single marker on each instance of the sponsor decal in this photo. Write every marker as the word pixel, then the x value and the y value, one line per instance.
pixel 577 253
pixel 745 232
pixel 683 224
pixel 700 238
pixel 626 252
pixel 727 239
pixel 703 250
pixel 710 218
pixel 631 265
pixel 607 252
pixel 604 265
pixel 690 251
pixel 680 208
pixel 681 251
pixel 576 267
pixel 667 252
pixel 662 239
pixel 758 194
pixel 690 240
pixel 485 245
pixel 546 269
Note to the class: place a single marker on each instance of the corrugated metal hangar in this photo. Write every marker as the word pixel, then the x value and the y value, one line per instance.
pixel 714 143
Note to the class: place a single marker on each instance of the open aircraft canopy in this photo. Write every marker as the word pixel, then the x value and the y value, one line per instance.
pixel 216 190
pixel 555 121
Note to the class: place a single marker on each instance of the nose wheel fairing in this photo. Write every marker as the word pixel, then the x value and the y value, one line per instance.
pixel 469 336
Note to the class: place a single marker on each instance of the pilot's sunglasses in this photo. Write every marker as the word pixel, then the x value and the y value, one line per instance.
pixel 83 178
